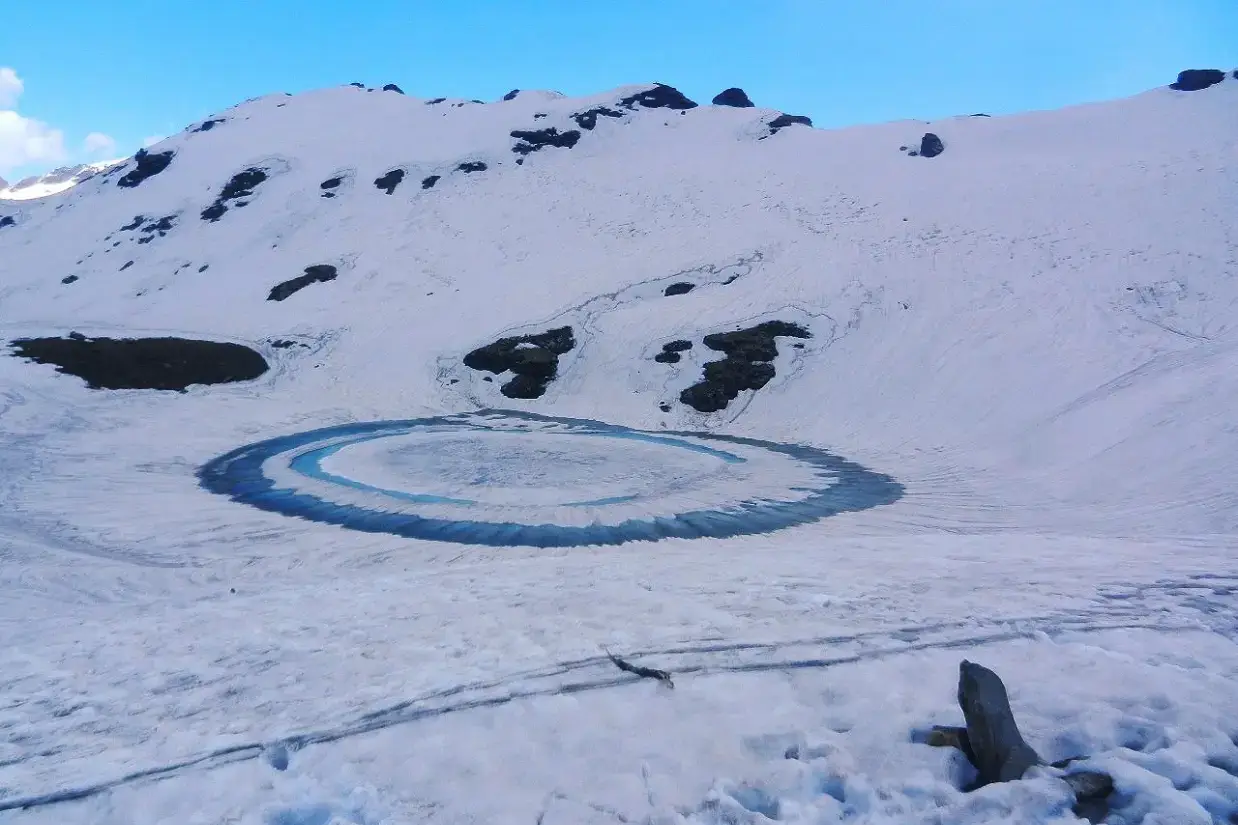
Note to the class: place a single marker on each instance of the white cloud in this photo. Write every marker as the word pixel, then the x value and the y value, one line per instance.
pixel 24 140
pixel 10 88
pixel 98 144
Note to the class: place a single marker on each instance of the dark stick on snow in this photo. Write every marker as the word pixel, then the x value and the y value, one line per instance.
pixel 643 672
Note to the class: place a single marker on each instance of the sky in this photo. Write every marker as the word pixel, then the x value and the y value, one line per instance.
pixel 85 80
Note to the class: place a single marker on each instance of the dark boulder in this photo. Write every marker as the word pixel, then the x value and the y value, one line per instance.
pixel 931 145
pixel 435 100
pixel 746 365
pixel 785 120
pixel 316 274
pixel 357 85
pixel 391 87
pixel 533 358
pixel 589 118
pixel 330 183
pixel 389 181
pixel 998 750
pixel 133 224
pixel 160 226
pixel 511 95
pixel 678 345
pixel 665 357
pixel 733 96
pixel 68 279
pixel 660 96
pixel 7 220
pixel 532 141
pixel 1193 80
pixel 208 125
pixel 429 181
pixel 240 185
pixel 146 166
pixel 472 166
pixel 679 288
pixel 144 363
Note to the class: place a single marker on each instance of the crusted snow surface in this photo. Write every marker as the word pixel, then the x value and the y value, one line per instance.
pixel 1033 332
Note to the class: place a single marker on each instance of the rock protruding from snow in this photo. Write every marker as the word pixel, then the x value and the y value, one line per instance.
pixel 146 166
pixel 7 220
pixel 390 180
pixel 998 750
pixel 316 274
pixel 241 185
pixel 747 365
pixel 429 180
pixel 528 142
pixel 144 363
pixel 733 96
pixel 785 120
pixel 659 96
pixel 671 350
pixel 391 87
pixel 588 119
pixel 931 145
pixel 1193 80
pixel 533 358
pixel 511 95
pixel 208 125
pixel 679 288
pixel 471 166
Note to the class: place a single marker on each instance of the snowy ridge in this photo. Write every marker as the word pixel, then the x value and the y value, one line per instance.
pixel 1032 332
pixel 53 182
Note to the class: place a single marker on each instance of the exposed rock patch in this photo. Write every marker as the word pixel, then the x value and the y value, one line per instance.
pixel 679 288
pixel 68 279
pixel 660 96
pixel 147 165
pixel 429 181
pixel 533 358
pixel 390 180
pixel 532 141
pixel 785 120
pixel 159 227
pixel 7 220
pixel 472 166
pixel 1193 80
pixel 432 101
pixel 747 365
pixel 588 119
pixel 241 185
pixel 144 363
pixel 391 87
pixel 733 96
pixel 208 125
pixel 511 95
pixel 329 186
pixel 316 274
pixel 671 350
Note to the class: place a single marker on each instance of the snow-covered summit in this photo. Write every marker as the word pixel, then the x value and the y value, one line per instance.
pixel 53 182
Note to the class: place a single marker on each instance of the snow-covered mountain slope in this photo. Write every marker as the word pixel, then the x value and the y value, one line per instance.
pixel 1029 322
pixel 53 182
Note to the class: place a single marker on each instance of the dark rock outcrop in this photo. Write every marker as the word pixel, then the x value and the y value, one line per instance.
pixel 241 185
pixel 160 227
pixel 997 747
pixel 589 118
pixel 671 350
pixel 144 363
pixel 931 145
pixel 733 96
pixel 746 365
pixel 7 220
pixel 331 183
pixel 391 87
pixel 1193 80
pixel 357 85
pixel 678 288
pixel 68 279
pixel 133 224
pixel 435 100
pixel 785 120
pixel 389 181
pixel 316 274
pixel 660 96
pixel 147 165
pixel 429 181
pixel 532 141
pixel 533 358
pixel 472 166
pixel 208 125
pixel 511 95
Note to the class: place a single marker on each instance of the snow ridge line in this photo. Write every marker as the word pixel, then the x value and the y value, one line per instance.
pixel 509 689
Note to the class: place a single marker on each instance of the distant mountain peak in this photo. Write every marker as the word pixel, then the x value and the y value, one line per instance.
pixel 53 182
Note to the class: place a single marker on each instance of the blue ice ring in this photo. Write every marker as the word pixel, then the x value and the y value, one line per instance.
pixel 244 476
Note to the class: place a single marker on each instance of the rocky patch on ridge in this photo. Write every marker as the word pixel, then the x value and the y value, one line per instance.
pixel 146 166
pixel 1194 80
pixel 659 96
pixel 144 363
pixel 733 96
pixel 534 360
pixel 528 142
pixel 747 366
pixel 784 120
pixel 389 181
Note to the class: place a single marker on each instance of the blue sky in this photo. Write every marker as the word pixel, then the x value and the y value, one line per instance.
pixel 141 69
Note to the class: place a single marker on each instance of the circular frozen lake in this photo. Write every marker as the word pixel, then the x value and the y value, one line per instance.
pixel 507 478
